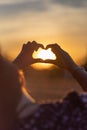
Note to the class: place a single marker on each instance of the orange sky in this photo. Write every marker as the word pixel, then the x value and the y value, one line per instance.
pixel 45 21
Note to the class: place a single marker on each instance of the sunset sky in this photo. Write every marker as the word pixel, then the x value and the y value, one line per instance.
pixel 46 21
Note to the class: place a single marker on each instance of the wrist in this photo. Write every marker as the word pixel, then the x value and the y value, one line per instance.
pixel 18 62
pixel 76 69
pixel 73 68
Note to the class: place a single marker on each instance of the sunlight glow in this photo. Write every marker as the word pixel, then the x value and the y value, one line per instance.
pixel 42 66
pixel 44 54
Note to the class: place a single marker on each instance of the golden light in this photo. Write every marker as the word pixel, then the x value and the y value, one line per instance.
pixel 44 54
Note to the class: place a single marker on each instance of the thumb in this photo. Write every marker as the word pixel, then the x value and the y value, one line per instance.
pixel 38 60
pixel 58 64
pixel 44 61
pixel 50 61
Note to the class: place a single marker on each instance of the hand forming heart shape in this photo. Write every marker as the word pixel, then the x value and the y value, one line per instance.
pixel 50 54
pixel 56 55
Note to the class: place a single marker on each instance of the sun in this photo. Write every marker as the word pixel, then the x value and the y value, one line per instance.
pixel 44 54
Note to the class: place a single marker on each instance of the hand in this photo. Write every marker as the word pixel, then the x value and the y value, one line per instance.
pixel 24 59
pixel 63 59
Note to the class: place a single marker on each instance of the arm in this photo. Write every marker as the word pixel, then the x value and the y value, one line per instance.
pixel 24 59
pixel 65 61
pixel 81 76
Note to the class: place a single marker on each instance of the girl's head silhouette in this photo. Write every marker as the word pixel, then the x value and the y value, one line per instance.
pixel 10 92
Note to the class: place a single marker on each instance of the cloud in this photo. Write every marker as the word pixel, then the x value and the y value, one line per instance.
pixel 20 6
pixel 9 8
pixel 12 1
pixel 73 3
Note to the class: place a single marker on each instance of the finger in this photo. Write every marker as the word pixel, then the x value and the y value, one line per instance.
pixel 52 45
pixel 28 43
pixel 37 45
pixel 33 45
pixel 38 60
pixel 59 64
pixel 50 61
pixel 49 46
pixel 56 49
pixel 44 61
pixel 23 46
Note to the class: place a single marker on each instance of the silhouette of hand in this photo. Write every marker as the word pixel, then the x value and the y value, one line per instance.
pixel 63 59
pixel 24 59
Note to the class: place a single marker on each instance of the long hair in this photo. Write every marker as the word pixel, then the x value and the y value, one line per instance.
pixel 10 90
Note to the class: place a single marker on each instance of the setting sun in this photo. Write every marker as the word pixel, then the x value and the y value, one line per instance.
pixel 44 54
